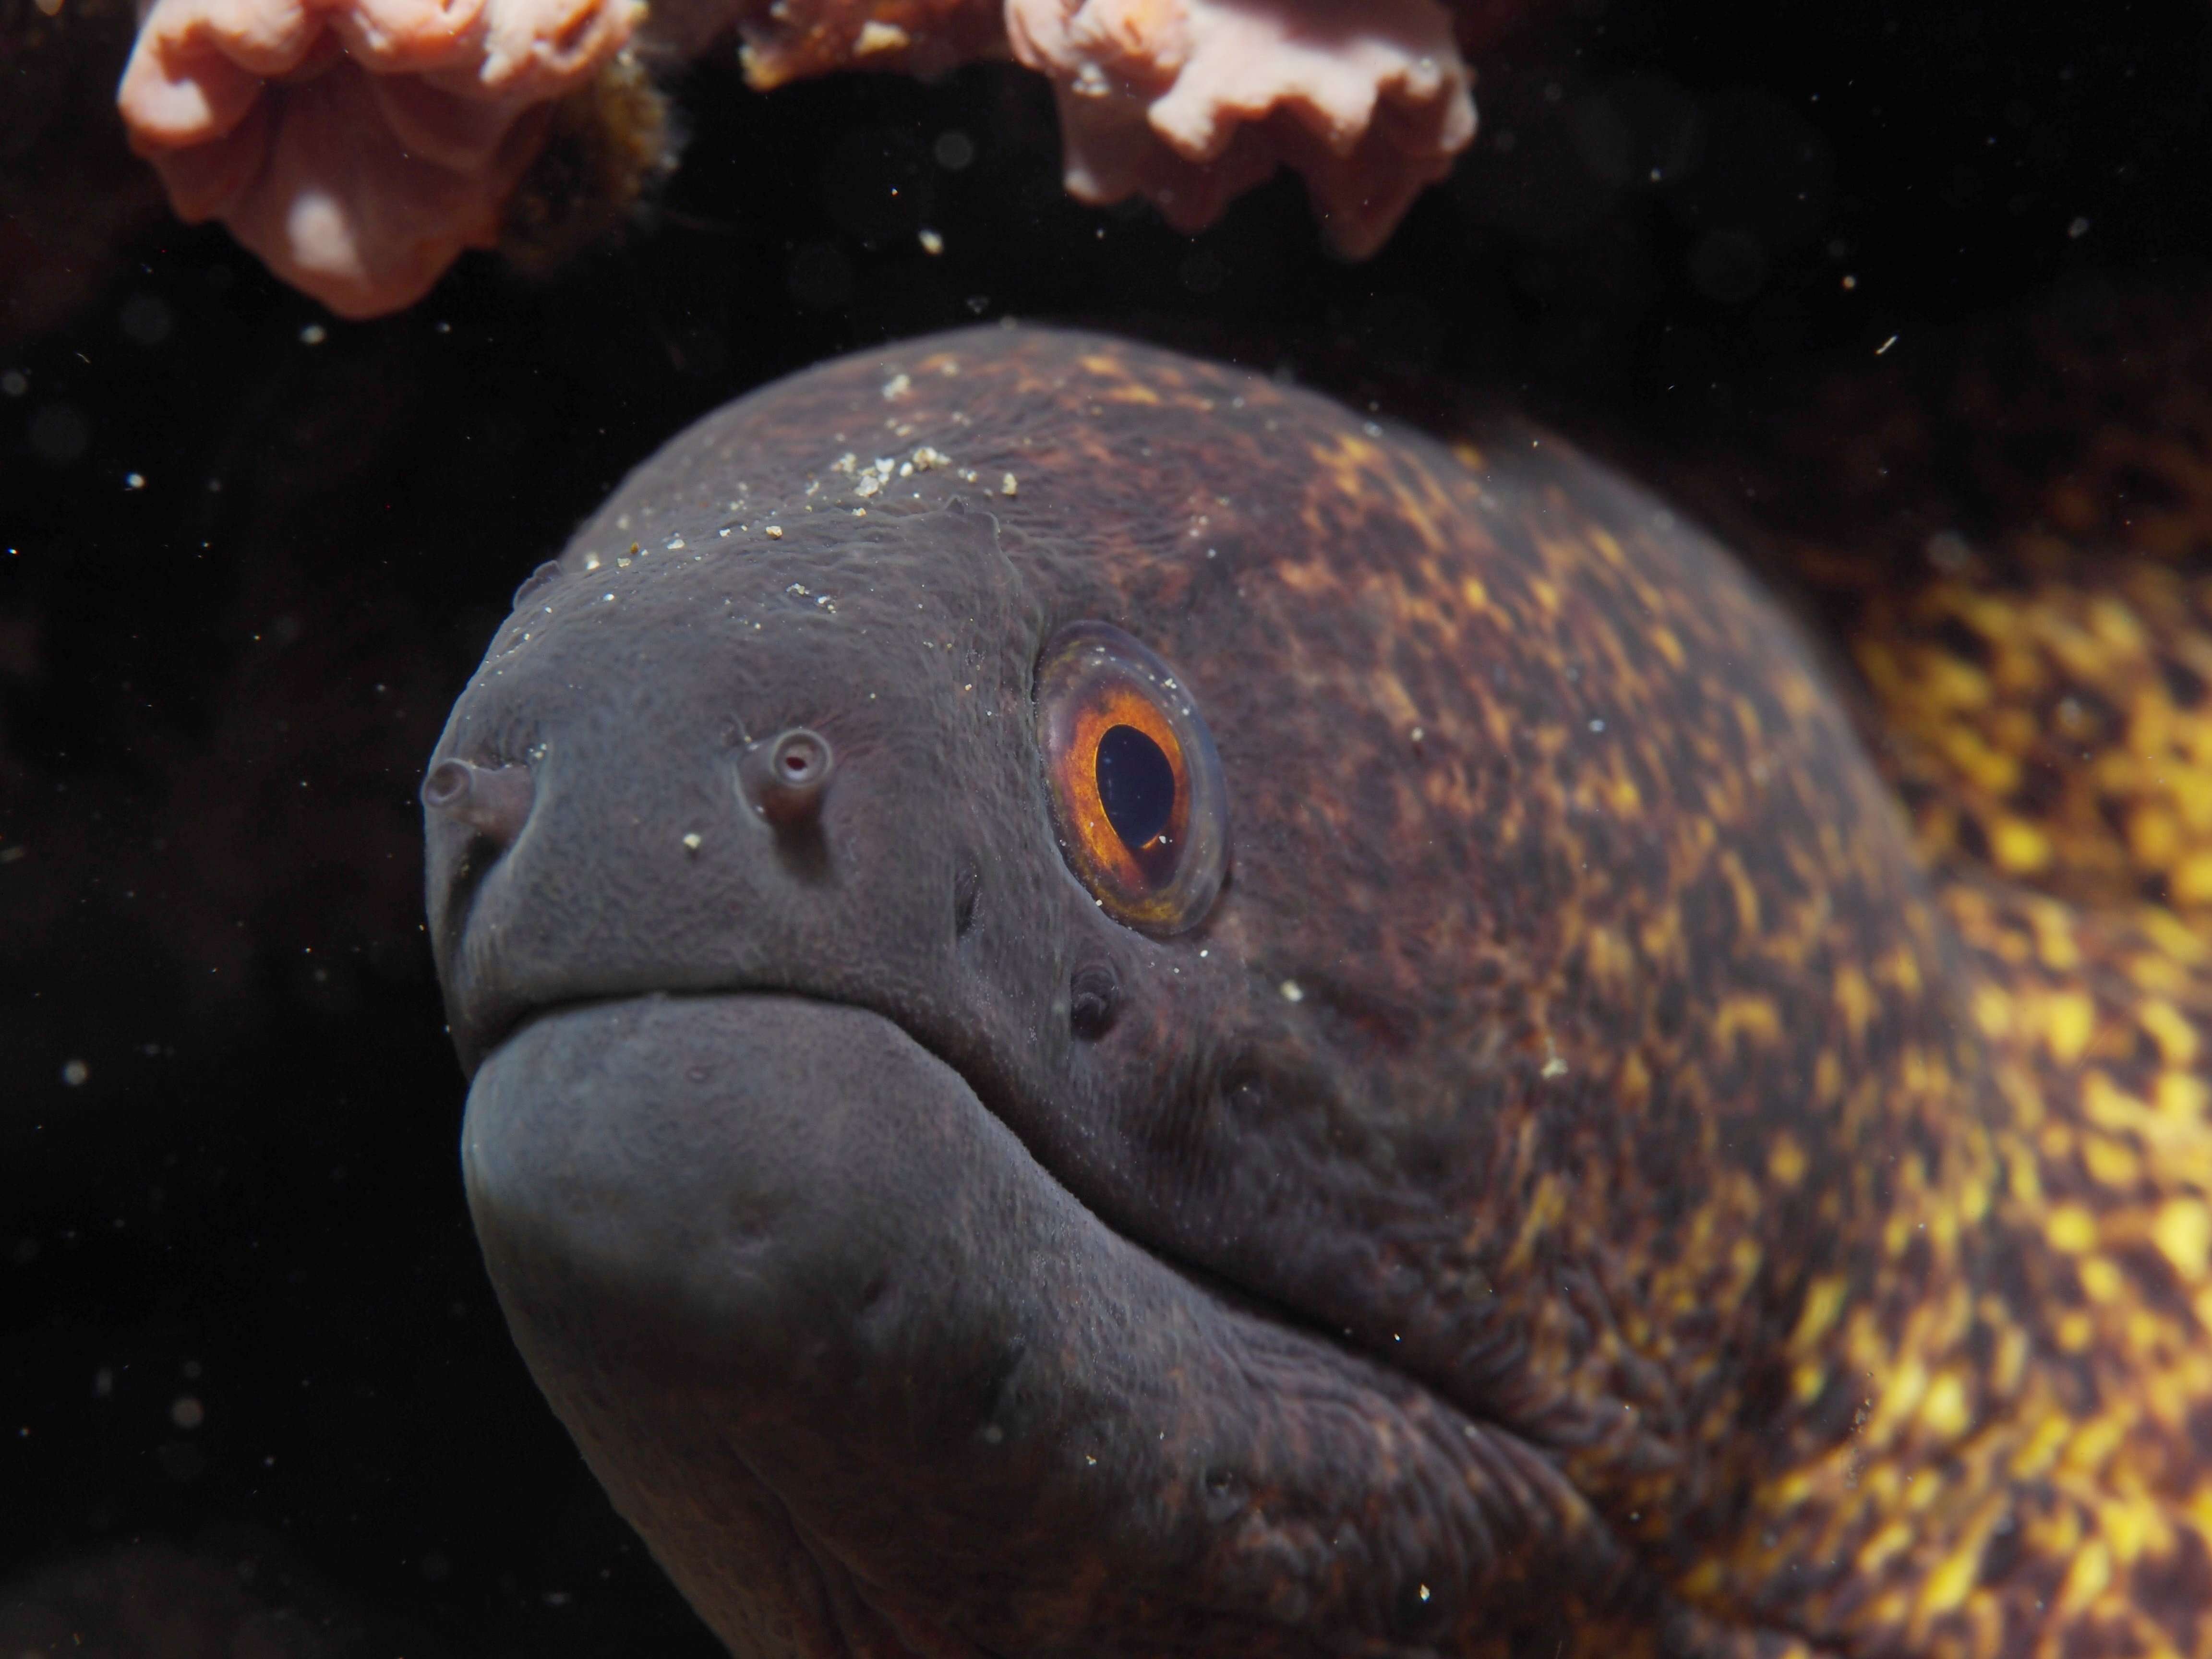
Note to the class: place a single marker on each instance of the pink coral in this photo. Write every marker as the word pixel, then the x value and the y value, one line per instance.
pixel 357 146
pixel 1192 101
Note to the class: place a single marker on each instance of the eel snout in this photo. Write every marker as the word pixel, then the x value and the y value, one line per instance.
pixel 869 1380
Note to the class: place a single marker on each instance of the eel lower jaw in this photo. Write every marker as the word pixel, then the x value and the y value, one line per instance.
pixel 790 1283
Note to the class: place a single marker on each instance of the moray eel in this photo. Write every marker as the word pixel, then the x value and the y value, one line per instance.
pixel 1113 1011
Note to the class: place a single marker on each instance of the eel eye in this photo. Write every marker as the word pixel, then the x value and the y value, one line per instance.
pixel 1137 795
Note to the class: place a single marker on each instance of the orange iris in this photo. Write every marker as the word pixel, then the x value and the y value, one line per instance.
pixel 1137 792
pixel 1136 871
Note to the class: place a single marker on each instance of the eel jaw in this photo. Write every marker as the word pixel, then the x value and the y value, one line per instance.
pixel 869 1380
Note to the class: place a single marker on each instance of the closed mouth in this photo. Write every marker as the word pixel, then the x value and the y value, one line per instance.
pixel 693 1202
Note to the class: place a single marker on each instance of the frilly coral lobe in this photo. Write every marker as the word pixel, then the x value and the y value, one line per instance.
pixel 1190 102
pixel 357 147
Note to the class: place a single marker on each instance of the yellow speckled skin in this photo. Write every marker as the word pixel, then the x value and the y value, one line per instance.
pixel 2055 725
pixel 1824 1192
pixel 2043 696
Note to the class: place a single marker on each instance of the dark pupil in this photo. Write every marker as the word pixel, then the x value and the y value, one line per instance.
pixel 1136 785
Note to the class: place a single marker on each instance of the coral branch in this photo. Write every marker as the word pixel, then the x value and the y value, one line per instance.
pixel 1189 102
pixel 356 147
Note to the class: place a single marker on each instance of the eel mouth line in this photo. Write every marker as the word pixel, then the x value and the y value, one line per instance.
pixel 1202 1279
pixel 762 1248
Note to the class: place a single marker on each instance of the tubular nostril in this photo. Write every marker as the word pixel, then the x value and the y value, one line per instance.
pixel 787 776
pixel 800 759
pixel 447 782
pixel 493 801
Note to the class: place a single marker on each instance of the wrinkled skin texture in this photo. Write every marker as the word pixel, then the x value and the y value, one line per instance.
pixel 1585 1187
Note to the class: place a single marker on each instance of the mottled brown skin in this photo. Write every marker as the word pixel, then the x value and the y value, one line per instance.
pixel 1583 1060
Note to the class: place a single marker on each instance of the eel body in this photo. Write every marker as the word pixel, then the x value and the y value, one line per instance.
pixel 1114 1010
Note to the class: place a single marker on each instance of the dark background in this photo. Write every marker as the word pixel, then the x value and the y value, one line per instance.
pixel 248 553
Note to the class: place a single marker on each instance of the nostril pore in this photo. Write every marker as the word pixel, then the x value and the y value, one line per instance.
pixel 788 775
pixel 1094 998
pixel 967 888
pixel 492 800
